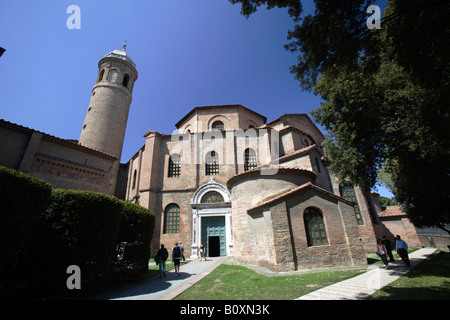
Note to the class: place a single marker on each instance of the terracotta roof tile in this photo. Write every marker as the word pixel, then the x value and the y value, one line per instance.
pixel 294 190
pixel 392 211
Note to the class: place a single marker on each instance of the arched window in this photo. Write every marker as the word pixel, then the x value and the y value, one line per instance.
pixel 348 192
pixel 212 163
pixel 315 228
pixel 126 80
pixel 133 185
pixel 218 125
pixel 102 73
pixel 212 197
pixel 249 159
pixel 172 219
pixel 174 165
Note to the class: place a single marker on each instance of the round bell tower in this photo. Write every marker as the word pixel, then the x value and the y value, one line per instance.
pixel 106 119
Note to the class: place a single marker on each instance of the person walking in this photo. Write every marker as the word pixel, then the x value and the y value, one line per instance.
pixel 202 252
pixel 402 250
pixel 388 246
pixel 381 252
pixel 182 250
pixel 176 257
pixel 161 258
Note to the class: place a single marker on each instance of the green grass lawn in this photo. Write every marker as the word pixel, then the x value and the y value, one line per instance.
pixel 430 280
pixel 230 282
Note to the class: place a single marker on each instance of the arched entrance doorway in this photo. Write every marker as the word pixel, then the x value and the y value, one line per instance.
pixel 212 225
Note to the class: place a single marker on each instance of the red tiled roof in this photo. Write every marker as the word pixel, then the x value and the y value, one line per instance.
pixel 392 211
pixel 294 190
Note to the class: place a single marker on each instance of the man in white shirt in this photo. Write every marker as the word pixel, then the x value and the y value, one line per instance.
pixel 402 250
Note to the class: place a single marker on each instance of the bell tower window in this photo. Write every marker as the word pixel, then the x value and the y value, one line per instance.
pixel 126 80
pixel 102 73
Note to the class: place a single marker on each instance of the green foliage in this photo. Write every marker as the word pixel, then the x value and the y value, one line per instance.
pixel 417 35
pixel 386 96
pixel 135 235
pixel 383 120
pixel 43 231
pixel 78 228
pixel 23 199
pixel 385 178
pixel 427 281
pixel 384 201
pixel 251 6
pixel 329 40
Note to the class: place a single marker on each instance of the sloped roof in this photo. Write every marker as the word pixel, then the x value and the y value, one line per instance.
pixel 303 115
pixel 179 123
pixel 65 142
pixel 303 187
pixel 279 170
pixel 392 211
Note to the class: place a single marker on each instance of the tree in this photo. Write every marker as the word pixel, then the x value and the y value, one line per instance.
pixel 23 200
pixel 384 201
pixel 251 6
pixel 385 96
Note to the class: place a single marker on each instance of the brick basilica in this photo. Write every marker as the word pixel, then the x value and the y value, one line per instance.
pixel 245 187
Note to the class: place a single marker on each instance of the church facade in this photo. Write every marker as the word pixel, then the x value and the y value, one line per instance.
pixel 257 190
pixel 226 178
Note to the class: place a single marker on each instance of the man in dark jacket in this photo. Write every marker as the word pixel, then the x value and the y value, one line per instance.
pixel 161 258
pixel 176 257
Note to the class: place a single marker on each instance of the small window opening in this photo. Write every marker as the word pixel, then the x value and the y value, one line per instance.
pixel 126 80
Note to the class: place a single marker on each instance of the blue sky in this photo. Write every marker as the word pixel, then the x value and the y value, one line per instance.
pixel 188 53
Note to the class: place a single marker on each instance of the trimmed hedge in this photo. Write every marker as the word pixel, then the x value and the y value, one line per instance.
pixel 79 228
pixel 43 231
pixel 133 243
pixel 23 199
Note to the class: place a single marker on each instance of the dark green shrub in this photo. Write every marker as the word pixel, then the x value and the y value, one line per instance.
pixel 79 228
pixel 133 243
pixel 23 199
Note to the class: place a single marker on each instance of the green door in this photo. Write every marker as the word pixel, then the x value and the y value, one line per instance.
pixel 213 236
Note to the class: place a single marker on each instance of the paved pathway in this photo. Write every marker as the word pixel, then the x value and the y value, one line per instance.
pixel 362 286
pixel 169 287
pixel 359 287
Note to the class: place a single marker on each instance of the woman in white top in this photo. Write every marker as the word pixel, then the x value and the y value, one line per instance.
pixel 381 251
